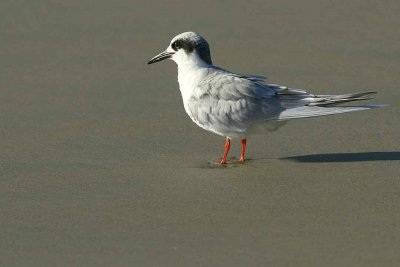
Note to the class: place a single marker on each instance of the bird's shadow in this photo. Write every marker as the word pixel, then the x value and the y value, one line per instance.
pixel 346 157
pixel 313 158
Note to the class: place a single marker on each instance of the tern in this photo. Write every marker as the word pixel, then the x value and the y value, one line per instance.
pixel 237 106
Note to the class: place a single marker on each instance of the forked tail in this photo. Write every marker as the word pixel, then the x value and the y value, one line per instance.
pixel 319 105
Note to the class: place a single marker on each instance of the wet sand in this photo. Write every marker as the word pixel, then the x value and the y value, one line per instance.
pixel 100 165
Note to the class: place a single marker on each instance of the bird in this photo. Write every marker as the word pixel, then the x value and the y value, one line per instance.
pixel 238 106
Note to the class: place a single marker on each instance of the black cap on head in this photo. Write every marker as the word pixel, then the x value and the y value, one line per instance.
pixel 191 41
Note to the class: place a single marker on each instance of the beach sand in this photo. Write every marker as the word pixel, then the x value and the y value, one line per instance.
pixel 100 165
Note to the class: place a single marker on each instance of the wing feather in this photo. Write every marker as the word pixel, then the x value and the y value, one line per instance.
pixel 232 101
pixel 225 102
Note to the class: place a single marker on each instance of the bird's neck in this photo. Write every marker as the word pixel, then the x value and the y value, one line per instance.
pixel 190 72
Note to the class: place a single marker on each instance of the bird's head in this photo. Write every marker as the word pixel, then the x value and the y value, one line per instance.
pixel 186 47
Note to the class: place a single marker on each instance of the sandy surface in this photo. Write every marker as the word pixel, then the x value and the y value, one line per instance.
pixel 100 166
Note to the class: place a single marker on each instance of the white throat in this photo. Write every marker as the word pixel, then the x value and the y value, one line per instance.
pixel 191 70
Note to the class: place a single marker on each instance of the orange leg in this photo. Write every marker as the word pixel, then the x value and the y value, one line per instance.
pixel 243 151
pixel 227 146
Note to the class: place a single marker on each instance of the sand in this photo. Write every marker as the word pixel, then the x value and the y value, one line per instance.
pixel 100 165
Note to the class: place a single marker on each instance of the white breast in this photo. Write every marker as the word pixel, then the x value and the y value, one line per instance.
pixel 189 75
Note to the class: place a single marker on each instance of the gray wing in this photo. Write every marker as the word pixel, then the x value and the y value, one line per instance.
pixel 233 102
pixel 230 102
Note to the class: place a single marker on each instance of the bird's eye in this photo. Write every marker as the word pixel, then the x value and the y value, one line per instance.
pixel 176 45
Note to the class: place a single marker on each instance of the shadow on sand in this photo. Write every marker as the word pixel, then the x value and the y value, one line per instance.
pixel 347 157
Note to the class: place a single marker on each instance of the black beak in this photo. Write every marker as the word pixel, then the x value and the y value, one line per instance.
pixel 161 56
